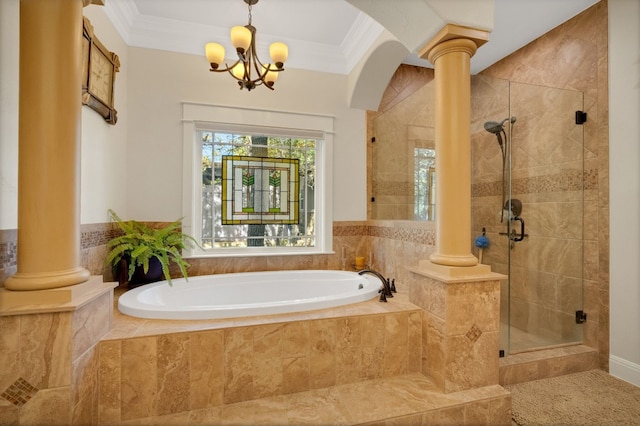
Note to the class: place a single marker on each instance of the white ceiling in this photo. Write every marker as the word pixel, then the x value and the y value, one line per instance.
pixel 323 35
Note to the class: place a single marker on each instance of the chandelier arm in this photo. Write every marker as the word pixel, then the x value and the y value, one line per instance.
pixel 227 69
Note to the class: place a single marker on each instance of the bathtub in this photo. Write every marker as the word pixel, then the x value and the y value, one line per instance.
pixel 248 294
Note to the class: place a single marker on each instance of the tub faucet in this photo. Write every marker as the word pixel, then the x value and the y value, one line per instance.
pixel 386 290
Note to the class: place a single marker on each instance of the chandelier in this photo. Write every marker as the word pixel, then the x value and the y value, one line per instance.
pixel 243 39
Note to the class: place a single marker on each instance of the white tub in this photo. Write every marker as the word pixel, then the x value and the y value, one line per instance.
pixel 248 294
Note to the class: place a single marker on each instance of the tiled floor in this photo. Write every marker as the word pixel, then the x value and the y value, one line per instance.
pixel 403 400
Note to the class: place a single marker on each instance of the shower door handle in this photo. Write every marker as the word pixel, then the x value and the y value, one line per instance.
pixel 522 234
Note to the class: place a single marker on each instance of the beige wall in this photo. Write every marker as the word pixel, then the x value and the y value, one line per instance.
pixel 135 167
pixel 624 133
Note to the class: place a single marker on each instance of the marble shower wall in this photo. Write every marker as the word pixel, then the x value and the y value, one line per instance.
pixel 398 132
pixel 574 57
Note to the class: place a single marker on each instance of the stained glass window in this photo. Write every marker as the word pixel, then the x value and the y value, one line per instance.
pixel 257 191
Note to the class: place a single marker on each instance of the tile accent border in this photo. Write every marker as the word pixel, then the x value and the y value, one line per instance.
pixel 20 392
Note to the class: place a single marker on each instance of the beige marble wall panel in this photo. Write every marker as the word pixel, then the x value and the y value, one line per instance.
pixel 49 406
pixel 238 362
pixel 109 382
pixel 173 366
pixel 9 350
pixel 91 322
pixel 435 350
pixel 470 364
pixel 375 351
pixel 268 365
pixel 472 305
pixel 9 413
pixel 45 349
pixel 85 387
pixel 415 345
pixel 322 356
pixel 206 369
pixel 139 378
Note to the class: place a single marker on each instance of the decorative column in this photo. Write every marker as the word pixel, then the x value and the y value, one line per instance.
pixel 463 324
pixel 49 146
pixel 451 51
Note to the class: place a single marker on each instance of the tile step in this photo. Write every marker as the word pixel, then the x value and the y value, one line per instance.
pixel 406 399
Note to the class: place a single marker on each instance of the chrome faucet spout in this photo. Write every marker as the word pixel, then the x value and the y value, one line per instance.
pixel 386 287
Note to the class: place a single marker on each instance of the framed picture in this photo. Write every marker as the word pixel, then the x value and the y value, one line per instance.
pixel 98 74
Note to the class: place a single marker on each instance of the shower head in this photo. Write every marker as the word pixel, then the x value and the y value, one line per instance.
pixel 495 127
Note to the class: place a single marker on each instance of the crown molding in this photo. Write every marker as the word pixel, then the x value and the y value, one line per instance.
pixel 152 32
pixel 360 37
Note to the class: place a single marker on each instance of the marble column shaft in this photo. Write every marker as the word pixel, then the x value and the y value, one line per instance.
pixel 49 145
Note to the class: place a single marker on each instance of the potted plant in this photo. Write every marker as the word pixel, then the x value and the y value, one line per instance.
pixel 142 249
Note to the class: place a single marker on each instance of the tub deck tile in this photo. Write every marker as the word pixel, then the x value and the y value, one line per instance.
pixel 125 326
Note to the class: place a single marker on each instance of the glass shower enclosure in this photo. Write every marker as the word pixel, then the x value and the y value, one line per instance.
pixel 528 200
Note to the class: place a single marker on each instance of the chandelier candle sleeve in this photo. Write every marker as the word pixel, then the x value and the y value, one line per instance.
pixel 240 38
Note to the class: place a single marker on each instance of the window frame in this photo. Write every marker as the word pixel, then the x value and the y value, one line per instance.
pixel 197 117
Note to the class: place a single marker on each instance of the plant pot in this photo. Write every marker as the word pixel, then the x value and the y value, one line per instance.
pixel 154 274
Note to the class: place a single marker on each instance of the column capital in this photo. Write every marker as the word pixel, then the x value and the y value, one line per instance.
pixel 455 32
pixel 455 45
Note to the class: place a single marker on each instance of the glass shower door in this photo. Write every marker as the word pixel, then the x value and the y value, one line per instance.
pixel 544 231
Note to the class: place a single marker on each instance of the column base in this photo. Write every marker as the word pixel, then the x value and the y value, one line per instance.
pixel 454 260
pixel 447 273
pixel 24 281
pixel 52 300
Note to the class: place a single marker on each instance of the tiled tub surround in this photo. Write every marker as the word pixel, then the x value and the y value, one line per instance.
pixel 347 365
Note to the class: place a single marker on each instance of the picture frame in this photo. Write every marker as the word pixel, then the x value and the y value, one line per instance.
pixel 99 68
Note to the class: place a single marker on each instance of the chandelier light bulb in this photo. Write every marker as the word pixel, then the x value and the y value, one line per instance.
pixel 238 70
pixel 270 77
pixel 241 38
pixel 215 54
pixel 279 53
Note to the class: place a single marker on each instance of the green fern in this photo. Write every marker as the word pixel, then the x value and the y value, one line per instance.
pixel 140 243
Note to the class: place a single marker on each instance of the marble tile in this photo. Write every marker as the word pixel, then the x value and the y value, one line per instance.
pixel 109 382
pixel 322 356
pixel 173 368
pixel 238 364
pixel 295 372
pixel 295 339
pixel 90 323
pixel 48 406
pixel 139 378
pixel 471 364
pixel 206 365
pixel 45 348
pixel 472 305
pixel 85 378
pixel 435 351
pixel 9 350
